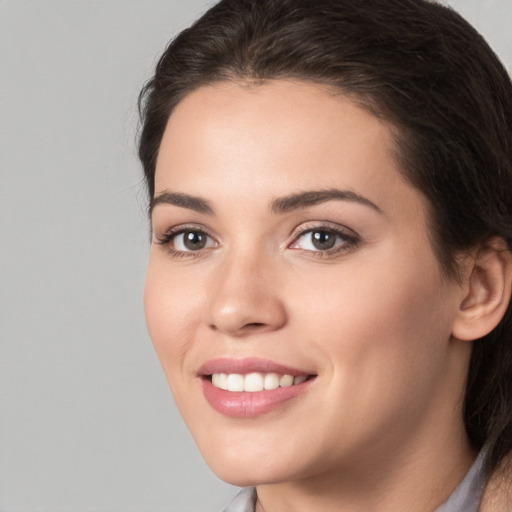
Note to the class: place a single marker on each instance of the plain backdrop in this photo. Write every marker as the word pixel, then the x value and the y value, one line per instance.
pixel 86 420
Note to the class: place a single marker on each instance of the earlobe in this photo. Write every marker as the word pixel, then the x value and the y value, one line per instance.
pixel 488 284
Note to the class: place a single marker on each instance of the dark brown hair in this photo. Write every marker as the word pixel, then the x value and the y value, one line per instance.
pixel 431 75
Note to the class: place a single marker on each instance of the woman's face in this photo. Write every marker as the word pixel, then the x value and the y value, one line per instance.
pixel 287 248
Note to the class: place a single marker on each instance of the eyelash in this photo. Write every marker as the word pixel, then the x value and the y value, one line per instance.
pixel 167 238
pixel 349 240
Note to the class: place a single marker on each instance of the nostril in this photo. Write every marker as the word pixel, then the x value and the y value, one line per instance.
pixel 254 325
pixel 249 326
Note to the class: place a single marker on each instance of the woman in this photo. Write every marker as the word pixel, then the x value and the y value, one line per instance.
pixel 329 283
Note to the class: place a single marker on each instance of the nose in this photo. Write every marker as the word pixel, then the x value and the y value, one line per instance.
pixel 244 297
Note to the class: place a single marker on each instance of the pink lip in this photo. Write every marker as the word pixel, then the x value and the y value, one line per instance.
pixel 244 404
pixel 247 365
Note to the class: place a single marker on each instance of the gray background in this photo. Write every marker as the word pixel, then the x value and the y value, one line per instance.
pixel 86 420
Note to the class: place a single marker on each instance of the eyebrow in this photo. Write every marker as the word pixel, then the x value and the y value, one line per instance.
pixel 311 198
pixel 194 203
pixel 279 206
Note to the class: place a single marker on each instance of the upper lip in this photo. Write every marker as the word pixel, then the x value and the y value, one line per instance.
pixel 247 365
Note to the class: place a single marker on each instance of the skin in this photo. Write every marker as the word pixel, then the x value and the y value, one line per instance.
pixel 497 495
pixel 380 427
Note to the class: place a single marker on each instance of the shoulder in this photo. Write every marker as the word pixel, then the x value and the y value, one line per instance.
pixel 497 495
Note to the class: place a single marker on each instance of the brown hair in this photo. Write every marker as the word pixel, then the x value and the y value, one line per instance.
pixel 413 62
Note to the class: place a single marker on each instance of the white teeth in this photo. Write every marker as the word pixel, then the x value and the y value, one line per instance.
pixel 286 381
pixel 235 382
pixel 255 381
pixel 223 381
pixel 271 381
pixel 220 380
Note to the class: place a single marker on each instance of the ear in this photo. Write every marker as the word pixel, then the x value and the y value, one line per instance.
pixel 487 289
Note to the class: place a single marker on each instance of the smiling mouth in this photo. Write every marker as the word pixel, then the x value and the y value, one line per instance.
pixel 255 381
pixel 251 387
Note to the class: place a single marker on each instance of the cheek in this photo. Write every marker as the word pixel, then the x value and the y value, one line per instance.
pixel 382 340
pixel 368 298
pixel 381 332
pixel 171 314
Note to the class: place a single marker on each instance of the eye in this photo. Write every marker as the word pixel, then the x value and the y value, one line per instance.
pixel 182 241
pixel 324 240
pixel 191 240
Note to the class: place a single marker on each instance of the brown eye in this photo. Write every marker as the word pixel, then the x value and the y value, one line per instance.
pixel 191 240
pixel 323 240
pixel 194 240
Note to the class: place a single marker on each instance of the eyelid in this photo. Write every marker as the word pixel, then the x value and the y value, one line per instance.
pixel 179 228
pixel 166 237
pixel 322 224
pixel 350 236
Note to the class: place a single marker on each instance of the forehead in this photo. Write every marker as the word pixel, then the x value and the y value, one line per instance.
pixel 294 135
pixel 292 109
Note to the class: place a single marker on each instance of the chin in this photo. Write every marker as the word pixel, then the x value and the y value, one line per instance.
pixel 249 473
pixel 246 464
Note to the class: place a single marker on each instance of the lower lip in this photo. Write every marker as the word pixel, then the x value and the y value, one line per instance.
pixel 243 404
